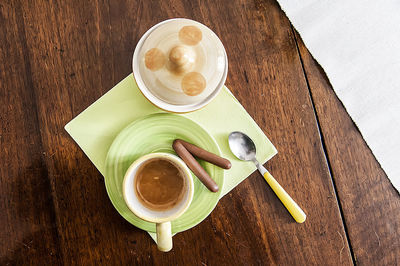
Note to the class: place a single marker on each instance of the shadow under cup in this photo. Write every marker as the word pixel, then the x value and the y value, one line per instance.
pixel 163 217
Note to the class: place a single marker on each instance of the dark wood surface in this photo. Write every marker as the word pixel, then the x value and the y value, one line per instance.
pixel 57 57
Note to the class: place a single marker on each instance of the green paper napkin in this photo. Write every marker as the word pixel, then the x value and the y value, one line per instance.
pixel 96 127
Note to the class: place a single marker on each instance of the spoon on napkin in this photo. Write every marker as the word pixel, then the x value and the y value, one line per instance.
pixel 244 149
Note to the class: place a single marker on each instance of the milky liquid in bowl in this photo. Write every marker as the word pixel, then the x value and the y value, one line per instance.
pixel 207 64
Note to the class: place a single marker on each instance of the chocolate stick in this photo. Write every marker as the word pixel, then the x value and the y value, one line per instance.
pixel 194 166
pixel 206 155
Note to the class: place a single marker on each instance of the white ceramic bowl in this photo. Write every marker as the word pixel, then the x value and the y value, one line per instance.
pixel 157 101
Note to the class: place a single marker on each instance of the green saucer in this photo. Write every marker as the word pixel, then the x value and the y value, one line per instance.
pixel 155 133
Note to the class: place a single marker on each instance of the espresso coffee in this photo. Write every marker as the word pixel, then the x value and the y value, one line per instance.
pixel 159 184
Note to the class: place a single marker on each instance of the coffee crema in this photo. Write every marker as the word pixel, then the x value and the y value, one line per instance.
pixel 159 184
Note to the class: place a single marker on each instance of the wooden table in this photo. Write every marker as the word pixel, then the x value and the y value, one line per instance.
pixel 58 57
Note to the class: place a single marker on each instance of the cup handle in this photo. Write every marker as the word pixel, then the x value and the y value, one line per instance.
pixel 164 237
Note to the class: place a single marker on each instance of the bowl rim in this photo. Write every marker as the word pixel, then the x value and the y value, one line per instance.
pixel 155 100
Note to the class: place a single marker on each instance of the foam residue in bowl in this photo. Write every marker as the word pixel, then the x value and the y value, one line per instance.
pixel 182 62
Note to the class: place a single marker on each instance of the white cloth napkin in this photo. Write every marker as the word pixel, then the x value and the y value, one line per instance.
pixel 357 43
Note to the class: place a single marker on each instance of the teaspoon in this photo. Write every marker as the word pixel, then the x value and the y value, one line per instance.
pixel 244 149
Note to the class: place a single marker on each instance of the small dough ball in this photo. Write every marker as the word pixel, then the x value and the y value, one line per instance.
pixel 154 59
pixel 193 83
pixel 181 59
pixel 190 35
pixel 179 55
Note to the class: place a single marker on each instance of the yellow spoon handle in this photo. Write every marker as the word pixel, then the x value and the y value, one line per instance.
pixel 289 203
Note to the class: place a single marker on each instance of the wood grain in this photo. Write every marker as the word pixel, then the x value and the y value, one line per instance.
pixel 57 57
pixel 370 204
pixel 28 233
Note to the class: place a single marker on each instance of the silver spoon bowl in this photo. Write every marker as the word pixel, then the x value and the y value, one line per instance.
pixel 242 146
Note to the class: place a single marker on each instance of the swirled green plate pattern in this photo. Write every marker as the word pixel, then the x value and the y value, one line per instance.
pixel 155 133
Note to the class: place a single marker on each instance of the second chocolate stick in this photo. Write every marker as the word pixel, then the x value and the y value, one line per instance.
pixel 194 166
pixel 206 155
